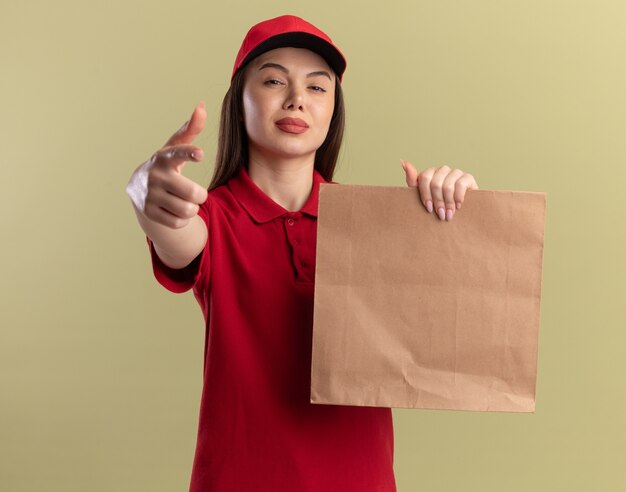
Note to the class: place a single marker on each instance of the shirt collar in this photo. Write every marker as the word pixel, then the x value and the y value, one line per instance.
pixel 260 206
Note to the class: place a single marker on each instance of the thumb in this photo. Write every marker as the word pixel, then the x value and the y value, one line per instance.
pixel 412 176
pixel 191 128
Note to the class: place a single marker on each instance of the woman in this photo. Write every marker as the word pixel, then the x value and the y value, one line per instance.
pixel 246 246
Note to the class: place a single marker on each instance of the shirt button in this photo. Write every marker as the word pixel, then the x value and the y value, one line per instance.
pixel 290 221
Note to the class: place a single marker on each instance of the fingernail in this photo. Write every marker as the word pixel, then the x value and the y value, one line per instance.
pixel 441 213
pixel 458 205
pixel 403 165
pixel 449 214
pixel 429 206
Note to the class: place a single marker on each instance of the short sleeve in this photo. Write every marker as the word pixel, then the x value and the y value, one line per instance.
pixel 180 280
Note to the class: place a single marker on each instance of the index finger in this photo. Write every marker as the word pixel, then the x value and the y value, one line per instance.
pixel 192 127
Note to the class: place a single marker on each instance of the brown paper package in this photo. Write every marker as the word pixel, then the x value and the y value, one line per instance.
pixel 414 312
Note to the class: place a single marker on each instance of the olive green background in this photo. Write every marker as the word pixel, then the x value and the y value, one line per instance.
pixel 100 367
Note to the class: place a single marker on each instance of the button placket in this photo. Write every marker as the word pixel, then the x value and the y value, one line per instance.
pixel 293 235
pixel 293 232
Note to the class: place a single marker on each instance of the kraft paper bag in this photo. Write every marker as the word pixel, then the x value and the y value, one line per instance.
pixel 414 312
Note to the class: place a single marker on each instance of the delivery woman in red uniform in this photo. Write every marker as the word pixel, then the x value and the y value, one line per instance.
pixel 246 247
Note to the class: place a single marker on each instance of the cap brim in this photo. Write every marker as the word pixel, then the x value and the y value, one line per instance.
pixel 301 40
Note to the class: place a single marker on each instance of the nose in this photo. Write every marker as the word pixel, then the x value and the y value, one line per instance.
pixel 294 98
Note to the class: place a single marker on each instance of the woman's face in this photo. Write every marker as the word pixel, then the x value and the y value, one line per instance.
pixel 288 83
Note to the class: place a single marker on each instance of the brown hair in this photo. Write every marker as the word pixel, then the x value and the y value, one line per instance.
pixel 232 142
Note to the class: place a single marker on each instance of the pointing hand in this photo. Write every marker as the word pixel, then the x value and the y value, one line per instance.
pixel 158 189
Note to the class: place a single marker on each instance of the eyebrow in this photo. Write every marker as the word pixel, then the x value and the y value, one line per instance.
pixel 280 67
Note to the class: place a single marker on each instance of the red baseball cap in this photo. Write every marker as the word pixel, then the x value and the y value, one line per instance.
pixel 288 30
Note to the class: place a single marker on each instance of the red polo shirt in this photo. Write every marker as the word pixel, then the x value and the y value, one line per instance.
pixel 258 431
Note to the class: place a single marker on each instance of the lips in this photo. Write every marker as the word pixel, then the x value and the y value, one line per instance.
pixel 292 125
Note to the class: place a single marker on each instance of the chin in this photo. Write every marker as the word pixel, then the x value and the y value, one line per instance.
pixel 289 149
pixel 287 153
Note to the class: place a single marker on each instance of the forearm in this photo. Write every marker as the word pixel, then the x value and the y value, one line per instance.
pixel 175 247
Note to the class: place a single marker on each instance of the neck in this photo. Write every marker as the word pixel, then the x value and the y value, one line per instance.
pixel 287 181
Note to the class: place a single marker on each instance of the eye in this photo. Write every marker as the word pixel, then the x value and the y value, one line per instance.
pixel 321 89
pixel 269 82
